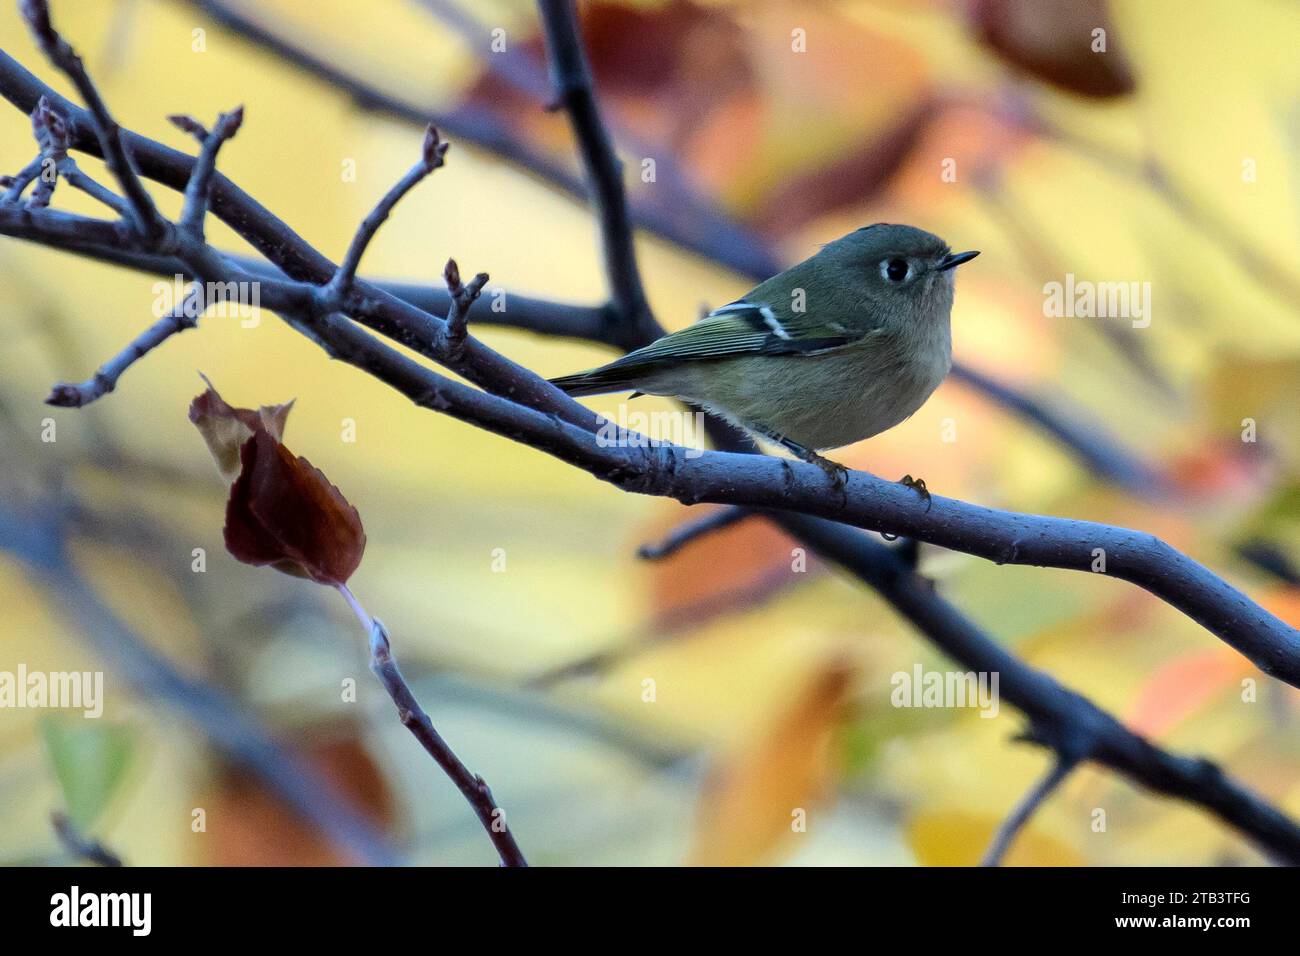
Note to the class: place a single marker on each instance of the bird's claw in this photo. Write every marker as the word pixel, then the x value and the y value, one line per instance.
pixel 839 475
pixel 917 485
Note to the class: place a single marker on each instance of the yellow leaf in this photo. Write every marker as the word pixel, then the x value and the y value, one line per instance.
pixel 959 838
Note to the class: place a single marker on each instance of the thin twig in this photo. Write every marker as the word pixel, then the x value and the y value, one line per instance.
pixel 144 214
pixel 693 530
pixel 1023 810
pixel 184 316
pixel 200 184
pixel 431 158
pixel 18 183
pixel 471 785
pixel 81 847
pixel 462 297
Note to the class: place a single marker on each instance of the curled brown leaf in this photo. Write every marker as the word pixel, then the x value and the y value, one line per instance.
pixel 282 512
pixel 226 428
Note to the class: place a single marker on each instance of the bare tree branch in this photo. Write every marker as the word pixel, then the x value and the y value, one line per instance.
pixel 1059 718
pixel 385 313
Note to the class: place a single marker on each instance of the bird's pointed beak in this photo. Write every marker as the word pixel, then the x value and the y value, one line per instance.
pixel 954 259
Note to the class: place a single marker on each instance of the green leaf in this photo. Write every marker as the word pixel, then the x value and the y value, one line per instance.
pixel 90 759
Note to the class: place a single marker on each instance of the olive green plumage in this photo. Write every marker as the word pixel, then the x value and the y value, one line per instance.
pixel 840 347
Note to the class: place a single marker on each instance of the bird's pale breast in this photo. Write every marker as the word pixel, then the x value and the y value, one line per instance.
pixel 820 401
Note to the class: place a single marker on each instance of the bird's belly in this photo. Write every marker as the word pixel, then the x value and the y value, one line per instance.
pixel 827 401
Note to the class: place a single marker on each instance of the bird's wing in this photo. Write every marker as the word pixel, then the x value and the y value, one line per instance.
pixel 740 328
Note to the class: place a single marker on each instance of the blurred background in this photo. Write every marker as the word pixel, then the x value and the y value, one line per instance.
pixel 510 582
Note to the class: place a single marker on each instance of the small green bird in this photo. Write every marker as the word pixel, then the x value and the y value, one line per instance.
pixel 840 347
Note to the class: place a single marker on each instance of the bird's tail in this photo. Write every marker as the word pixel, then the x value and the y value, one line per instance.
pixel 598 381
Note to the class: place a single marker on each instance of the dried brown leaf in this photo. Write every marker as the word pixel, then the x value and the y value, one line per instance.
pixel 226 428
pixel 283 512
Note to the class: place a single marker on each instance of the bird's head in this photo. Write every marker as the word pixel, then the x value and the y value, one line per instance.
pixel 901 270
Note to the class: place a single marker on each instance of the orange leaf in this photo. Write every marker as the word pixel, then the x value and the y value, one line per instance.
pixel 1182 686
pixel 259 829
pixel 754 800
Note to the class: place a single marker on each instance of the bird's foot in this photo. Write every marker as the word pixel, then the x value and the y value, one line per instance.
pixel 839 475
pixel 917 485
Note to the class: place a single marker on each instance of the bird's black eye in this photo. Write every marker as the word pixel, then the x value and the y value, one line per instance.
pixel 895 270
